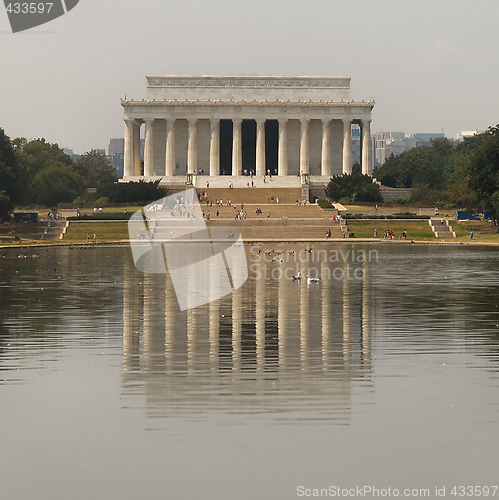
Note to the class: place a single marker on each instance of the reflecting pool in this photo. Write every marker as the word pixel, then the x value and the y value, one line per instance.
pixel 384 373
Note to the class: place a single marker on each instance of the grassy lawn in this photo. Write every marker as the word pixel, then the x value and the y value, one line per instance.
pixel 391 208
pixel 111 210
pixel 106 231
pixel 483 231
pixel 420 230
pixel 416 230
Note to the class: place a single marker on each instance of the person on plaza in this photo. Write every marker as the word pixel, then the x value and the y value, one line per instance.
pixel 472 236
pixel 375 233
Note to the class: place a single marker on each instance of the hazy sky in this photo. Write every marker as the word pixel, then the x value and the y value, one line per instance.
pixel 429 64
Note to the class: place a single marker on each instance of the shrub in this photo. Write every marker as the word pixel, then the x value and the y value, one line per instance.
pixel 356 186
pixel 324 204
pixel 401 201
pixel 103 201
pixel 132 192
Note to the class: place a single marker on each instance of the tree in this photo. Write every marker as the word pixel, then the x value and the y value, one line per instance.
pixel 95 169
pixel 484 174
pixel 10 177
pixel 33 157
pixel 57 183
pixel 357 187
pixel 124 192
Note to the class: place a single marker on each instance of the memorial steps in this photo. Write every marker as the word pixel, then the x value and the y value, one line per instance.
pixel 268 229
pixel 283 230
pixel 286 222
pixel 276 211
pixel 251 195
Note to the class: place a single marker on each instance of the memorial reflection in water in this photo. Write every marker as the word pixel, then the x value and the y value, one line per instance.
pixel 274 346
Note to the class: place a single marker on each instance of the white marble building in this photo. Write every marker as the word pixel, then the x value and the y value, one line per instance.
pixel 223 127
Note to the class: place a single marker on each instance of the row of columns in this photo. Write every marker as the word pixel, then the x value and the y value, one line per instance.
pixel 163 319
pixel 132 147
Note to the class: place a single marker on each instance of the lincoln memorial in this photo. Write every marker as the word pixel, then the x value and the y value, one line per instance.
pixel 221 129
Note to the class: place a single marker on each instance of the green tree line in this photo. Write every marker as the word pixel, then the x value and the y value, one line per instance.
pixel 465 175
pixel 40 173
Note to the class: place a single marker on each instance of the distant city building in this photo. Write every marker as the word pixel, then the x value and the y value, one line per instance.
pixel 71 153
pixel 116 153
pixel 461 136
pixel 116 146
pixel 356 144
pixel 396 143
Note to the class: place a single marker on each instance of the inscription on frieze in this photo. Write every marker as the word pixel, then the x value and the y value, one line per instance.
pixel 247 82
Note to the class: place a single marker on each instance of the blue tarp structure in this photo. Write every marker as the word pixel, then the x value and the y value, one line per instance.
pixel 26 216
pixel 461 215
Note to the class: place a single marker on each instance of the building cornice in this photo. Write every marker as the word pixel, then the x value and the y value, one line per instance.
pixel 253 103
pixel 248 81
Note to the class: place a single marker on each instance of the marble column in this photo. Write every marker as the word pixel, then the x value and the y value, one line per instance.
pixel 192 148
pixel 282 166
pixel 148 150
pixel 346 316
pixel 148 322
pixel 136 149
pixel 237 147
pixel 366 314
pixel 128 168
pixel 326 148
pixel 282 320
pixel 260 146
pixel 366 147
pixel 237 328
pixel 304 156
pixel 131 316
pixel 260 323
pixel 214 335
pixel 170 166
pixel 326 323
pixel 215 147
pixel 170 306
pixel 304 323
pixel 347 146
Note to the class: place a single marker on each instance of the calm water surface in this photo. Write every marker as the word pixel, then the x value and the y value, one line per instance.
pixel 108 390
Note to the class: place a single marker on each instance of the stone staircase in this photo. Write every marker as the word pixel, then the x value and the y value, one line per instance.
pixel 441 228
pixel 55 230
pixel 284 229
pixel 252 195
pixel 274 210
pixel 279 222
